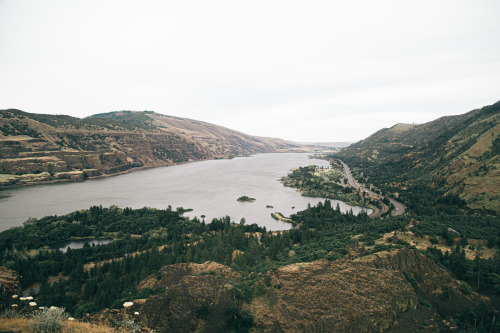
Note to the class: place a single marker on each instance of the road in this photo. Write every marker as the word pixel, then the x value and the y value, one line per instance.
pixel 399 208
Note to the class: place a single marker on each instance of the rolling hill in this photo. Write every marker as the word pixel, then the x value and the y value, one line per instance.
pixel 456 155
pixel 37 148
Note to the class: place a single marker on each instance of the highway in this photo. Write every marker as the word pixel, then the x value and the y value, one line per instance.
pixel 399 208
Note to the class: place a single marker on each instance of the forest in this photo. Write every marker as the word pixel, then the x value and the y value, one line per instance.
pixel 313 181
pixel 144 240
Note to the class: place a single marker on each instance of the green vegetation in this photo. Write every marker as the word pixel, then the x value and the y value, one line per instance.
pixel 48 320
pixel 128 118
pixel 98 277
pixel 324 183
pixel 245 198
pixel 63 121
pixel 400 162
pixel 449 163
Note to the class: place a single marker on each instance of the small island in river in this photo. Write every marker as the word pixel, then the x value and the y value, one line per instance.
pixel 245 199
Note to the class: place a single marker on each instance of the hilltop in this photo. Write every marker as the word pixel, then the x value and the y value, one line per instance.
pixel 459 156
pixel 37 148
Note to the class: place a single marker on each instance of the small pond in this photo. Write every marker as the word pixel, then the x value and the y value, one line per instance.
pixel 79 243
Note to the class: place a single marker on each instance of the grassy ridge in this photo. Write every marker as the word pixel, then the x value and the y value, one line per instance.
pixel 456 155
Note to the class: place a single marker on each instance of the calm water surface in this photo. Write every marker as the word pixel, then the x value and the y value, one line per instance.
pixel 210 188
pixel 79 243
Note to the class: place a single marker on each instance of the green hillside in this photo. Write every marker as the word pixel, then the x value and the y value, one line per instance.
pixel 453 155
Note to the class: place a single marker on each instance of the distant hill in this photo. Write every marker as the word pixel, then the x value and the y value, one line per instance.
pixel 327 144
pixel 459 155
pixel 37 148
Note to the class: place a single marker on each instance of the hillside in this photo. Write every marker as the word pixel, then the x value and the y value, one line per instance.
pixel 337 272
pixel 320 296
pixel 38 148
pixel 457 155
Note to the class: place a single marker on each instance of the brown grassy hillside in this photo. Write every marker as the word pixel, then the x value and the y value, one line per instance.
pixel 456 154
pixel 397 291
pixel 38 148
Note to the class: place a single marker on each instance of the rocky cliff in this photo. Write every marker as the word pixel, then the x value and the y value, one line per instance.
pixel 397 291
pixel 38 148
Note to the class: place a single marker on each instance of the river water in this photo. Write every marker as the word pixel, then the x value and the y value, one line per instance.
pixel 210 188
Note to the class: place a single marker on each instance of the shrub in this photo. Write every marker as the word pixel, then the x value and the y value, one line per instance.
pixel 11 313
pixel 411 280
pixel 48 320
pixel 130 326
pixel 466 288
pixel 238 320
pixel 424 302
pixel 85 308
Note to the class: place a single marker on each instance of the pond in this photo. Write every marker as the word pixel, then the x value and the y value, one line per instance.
pixel 79 243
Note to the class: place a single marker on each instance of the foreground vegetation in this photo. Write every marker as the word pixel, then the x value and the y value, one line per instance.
pixel 93 278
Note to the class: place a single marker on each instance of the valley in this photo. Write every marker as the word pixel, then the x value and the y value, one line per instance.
pixel 454 156
pixel 426 259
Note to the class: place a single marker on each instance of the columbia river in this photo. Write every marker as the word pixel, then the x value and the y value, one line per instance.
pixel 210 188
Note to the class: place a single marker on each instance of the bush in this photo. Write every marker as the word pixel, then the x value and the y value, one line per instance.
pixel 411 280
pixel 130 326
pixel 466 288
pixel 48 320
pixel 433 240
pixel 85 308
pixel 424 302
pixel 238 320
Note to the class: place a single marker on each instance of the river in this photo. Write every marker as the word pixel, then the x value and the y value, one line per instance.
pixel 210 188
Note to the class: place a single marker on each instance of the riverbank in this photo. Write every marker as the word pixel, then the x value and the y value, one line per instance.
pixel 43 178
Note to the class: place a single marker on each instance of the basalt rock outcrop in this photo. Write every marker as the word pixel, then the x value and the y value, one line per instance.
pixel 397 291
pixel 38 148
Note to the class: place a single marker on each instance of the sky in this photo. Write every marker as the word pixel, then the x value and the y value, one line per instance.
pixel 306 71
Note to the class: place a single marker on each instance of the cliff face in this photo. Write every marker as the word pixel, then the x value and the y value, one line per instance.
pixel 39 148
pixel 325 296
pixel 397 291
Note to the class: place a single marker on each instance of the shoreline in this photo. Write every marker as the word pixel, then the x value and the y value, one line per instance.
pixel 104 175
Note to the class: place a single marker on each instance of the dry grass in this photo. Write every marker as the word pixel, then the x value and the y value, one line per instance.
pixel 79 327
pixel 422 243
pixel 484 142
pixel 24 325
pixel 15 324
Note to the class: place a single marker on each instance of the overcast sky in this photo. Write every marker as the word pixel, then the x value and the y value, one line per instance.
pixel 299 70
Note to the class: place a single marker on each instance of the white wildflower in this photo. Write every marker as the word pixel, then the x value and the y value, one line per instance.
pixel 15 296
pixel 53 308
pixel 32 304
pixel 127 304
pixel 14 305
pixel 136 313
pixel 29 298
pixel 71 318
pixel 22 298
pixel 41 308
